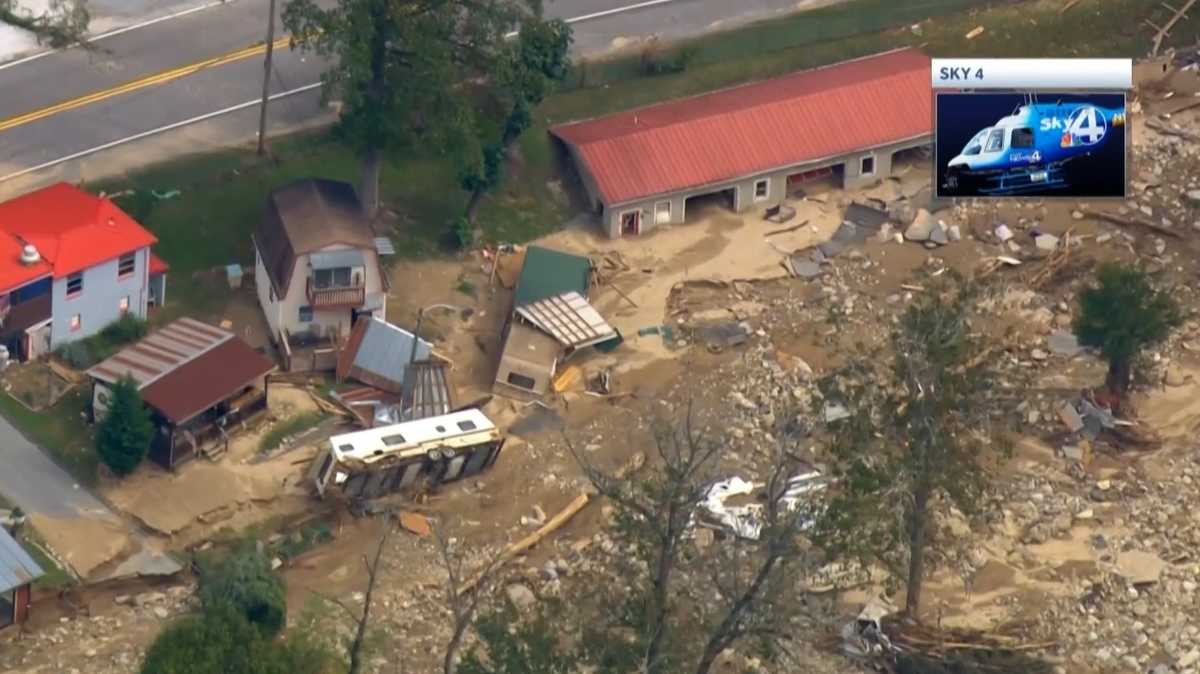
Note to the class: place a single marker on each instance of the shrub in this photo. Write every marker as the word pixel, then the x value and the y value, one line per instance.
pixel 125 329
pixel 77 354
pixel 246 582
pixel 126 430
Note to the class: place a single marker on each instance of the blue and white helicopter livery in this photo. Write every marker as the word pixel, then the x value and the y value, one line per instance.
pixel 1028 151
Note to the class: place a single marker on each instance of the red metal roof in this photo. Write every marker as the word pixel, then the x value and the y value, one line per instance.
pixel 71 229
pixel 206 380
pixel 741 131
pixel 158 265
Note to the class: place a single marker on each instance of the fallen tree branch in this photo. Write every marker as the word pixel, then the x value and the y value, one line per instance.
pixel 1179 133
pixel 1132 222
pixel 554 524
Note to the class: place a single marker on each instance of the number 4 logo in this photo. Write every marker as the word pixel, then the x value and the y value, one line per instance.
pixel 1087 125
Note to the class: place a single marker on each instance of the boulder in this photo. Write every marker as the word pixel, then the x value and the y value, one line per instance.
pixel 521 597
pixel 922 226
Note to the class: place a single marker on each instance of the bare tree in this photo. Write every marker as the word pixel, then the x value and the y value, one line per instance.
pixel 461 597
pixel 660 509
pixel 361 619
pixel 64 22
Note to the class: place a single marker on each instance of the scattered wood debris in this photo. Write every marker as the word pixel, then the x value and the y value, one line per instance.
pixel 975 32
pixel 1131 222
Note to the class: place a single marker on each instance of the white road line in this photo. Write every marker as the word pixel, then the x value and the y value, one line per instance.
pixel 608 12
pixel 161 129
pixel 118 31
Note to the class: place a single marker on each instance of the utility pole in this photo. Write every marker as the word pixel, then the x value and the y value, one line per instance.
pixel 262 112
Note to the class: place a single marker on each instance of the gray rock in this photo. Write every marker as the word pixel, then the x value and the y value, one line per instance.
pixel 954 233
pixel 1003 232
pixel 938 235
pixel 521 596
pixel 1160 247
pixel 921 227
pixel 1194 197
pixel 161 613
pixel 1063 343
pixel 1046 242
pixel 1070 417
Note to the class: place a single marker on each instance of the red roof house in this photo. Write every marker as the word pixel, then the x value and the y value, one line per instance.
pixel 852 115
pixel 81 250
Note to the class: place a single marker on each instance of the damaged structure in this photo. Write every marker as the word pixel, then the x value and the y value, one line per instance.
pixel 17 573
pixel 196 379
pixel 316 269
pixel 550 320
pixel 399 383
pixel 389 459
pixel 752 146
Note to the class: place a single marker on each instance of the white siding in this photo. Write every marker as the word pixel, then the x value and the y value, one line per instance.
pixel 288 309
pixel 99 303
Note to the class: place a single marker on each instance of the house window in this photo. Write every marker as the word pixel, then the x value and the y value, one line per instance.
pixel 339 277
pixel 521 381
pixel 305 314
pixel 8 608
pixel 123 305
pixel 662 212
pixel 74 284
pixel 762 189
pixel 866 167
pixel 125 265
pixel 76 322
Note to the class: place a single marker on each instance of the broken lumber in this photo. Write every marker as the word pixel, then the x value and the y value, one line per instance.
pixel 785 230
pixel 553 524
pixel 1131 222
pixel 1179 133
pixel 1067 6
pixel 622 294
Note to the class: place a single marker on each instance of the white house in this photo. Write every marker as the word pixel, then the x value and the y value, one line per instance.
pixel 316 266
pixel 70 264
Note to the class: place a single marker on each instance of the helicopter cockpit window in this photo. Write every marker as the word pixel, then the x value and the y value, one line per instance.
pixel 976 144
pixel 995 141
pixel 1022 138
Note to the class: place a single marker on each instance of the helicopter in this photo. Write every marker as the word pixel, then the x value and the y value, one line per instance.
pixel 1029 150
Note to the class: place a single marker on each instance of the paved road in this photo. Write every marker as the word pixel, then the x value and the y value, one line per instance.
pixel 54 130
pixel 34 482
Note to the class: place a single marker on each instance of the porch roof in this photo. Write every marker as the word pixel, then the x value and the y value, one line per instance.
pixel 206 380
pixel 17 568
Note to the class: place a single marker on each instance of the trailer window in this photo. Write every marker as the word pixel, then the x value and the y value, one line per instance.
pixel 323 474
pixel 466 426
pixel 393 440
pixel 521 381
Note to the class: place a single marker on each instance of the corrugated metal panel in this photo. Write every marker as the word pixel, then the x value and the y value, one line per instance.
pixel 569 319
pixel 16 566
pixel 160 353
pixel 385 351
pixel 335 259
pixel 755 128
pixel 427 390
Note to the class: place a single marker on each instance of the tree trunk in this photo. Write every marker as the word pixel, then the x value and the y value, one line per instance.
pixel 916 553
pixel 473 204
pixel 372 164
pixel 460 630
pixel 360 632
pixel 725 633
pixel 266 88
pixel 658 621
pixel 1119 376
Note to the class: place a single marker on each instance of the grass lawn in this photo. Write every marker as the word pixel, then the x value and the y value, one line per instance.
pixel 55 577
pixel 295 425
pixel 61 431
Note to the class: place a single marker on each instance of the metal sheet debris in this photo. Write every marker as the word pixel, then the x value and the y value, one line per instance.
pixel 746 521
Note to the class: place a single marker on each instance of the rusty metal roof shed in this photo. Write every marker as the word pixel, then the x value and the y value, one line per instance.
pixel 160 353
pixel 734 133
pixel 17 568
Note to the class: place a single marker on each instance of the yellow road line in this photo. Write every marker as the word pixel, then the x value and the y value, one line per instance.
pixel 160 78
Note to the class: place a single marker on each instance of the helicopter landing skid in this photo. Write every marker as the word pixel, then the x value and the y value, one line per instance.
pixel 1025 180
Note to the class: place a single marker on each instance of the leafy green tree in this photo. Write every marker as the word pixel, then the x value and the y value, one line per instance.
pixel 220 640
pixel 62 23
pixel 399 68
pixel 246 582
pixel 1122 315
pixel 917 439
pixel 528 70
pixel 126 430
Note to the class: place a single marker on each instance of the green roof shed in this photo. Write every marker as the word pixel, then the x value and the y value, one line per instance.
pixel 548 273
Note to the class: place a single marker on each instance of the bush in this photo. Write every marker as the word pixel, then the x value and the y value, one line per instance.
pixel 246 582
pixel 125 329
pixel 126 430
pixel 77 354
pixel 659 60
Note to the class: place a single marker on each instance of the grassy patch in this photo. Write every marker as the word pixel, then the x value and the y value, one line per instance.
pixel 292 426
pixel 61 431
pixel 55 576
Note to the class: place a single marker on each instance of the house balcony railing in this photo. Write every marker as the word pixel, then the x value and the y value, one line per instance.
pixel 334 298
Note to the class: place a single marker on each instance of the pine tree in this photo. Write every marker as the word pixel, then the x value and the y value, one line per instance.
pixel 126 430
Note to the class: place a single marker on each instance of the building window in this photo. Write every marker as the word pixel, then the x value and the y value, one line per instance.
pixel 305 314
pixel 74 284
pixel 339 277
pixel 125 265
pixel 8 608
pixel 867 166
pixel 662 212
pixel 76 322
pixel 762 189
pixel 521 381
pixel 123 305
